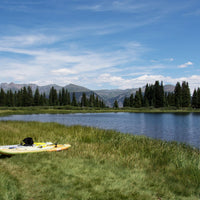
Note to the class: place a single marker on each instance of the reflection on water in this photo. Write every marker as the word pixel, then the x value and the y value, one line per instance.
pixel 181 127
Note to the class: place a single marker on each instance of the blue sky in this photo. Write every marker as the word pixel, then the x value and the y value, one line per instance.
pixel 115 44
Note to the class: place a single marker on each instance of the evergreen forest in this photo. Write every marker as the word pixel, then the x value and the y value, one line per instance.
pixel 154 96
pixel 25 97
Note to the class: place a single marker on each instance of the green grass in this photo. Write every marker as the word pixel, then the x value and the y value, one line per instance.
pixel 100 165
pixel 71 109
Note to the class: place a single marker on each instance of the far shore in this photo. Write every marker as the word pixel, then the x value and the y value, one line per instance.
pixel 4 111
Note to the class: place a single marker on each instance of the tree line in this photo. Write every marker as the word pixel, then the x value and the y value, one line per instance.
pixel 154 96
pixel 25 97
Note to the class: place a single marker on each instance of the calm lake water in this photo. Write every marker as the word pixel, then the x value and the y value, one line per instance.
pixel 166 126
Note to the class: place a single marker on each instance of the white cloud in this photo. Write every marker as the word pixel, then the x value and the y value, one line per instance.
pixel 125 6
pixel 56 60
pixel 107 78
pixel 122 83
pixel 114 68
pixel 27 40
pixel 141 81
pixel 20 72
pixel 185 65
pixel 165 60
pixel 31 64
pixel 130 6
pixel 63 71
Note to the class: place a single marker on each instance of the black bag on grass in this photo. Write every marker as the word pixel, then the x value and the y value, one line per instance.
pixel 27 141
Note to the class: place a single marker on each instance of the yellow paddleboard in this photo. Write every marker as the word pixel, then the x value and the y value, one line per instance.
pixel 35 148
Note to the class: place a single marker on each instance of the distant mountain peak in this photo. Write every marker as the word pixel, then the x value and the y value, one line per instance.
pixel 76 88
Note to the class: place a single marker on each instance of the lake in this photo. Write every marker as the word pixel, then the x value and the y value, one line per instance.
pixel 181 127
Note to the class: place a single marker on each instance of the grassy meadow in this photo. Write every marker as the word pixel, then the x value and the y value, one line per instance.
pixel 101 165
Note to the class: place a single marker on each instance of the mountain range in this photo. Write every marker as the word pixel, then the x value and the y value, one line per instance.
pixel 108 96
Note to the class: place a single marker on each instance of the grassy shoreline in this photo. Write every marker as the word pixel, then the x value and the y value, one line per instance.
pixel 101 164
pixel 70 109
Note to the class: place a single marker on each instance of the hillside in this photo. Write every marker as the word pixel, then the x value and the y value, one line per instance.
pixel 46 88
pixel 109 96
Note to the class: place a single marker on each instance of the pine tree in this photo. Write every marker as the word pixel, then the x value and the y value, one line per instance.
pixel 9 98
pixel 19 98
pixel 131 100
pixel 146 96
pixel 162 95
pixel 74 102
pixel 146 102
pixel 37 97
pixel 2 97
pixel 60 102
pixel 194 99
pixel 170 99
pixel 15 98
pixel 53 97
pixel 147 99
pixel 68 102
pixel 126 102
pixel 63 99
pixel 29 96
pixel 186 97
pixel 102 104
pixel 178 95
pixel 97 102
pixel 84 101
pixel 42 100
pixel 24 97
pixel 138 100
pixel 159 95
pixel 91 100
pixel 141 96
pixel 198 98
pixel 116 104
pixel 151 95
pixel 166 100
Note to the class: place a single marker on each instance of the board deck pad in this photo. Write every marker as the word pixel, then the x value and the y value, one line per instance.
pixel 36 148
